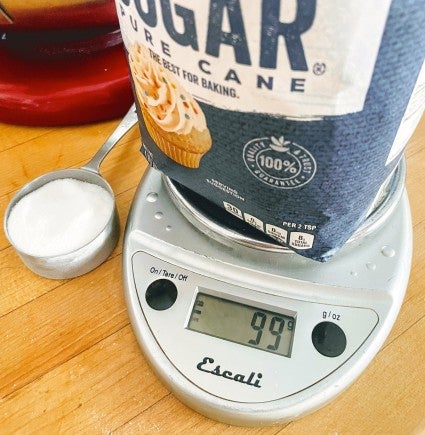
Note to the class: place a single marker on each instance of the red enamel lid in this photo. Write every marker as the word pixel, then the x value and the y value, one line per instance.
pixel 61 63
pixel 64 90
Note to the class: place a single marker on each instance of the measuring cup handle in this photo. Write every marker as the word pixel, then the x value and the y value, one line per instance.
pixel 127 122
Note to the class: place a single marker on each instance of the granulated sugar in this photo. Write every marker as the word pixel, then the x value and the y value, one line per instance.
pixel 59 217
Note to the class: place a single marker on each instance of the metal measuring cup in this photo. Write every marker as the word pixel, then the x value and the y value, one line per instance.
pixel 95 252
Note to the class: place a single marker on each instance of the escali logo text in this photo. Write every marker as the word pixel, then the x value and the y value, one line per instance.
pixel 207 365
pixel 279 162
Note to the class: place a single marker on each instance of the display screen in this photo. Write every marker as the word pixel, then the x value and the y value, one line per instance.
pixel 243 324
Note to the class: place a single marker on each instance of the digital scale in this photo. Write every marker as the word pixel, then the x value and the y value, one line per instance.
pixel 244 331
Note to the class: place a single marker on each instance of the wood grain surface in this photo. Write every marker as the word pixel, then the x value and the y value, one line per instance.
pixel 69 362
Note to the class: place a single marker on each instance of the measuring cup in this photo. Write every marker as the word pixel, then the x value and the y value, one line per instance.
pixel 95 252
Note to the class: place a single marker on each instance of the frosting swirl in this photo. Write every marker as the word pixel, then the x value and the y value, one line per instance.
pixel 164 98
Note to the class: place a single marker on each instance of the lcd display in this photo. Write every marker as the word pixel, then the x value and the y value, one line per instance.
pixel 244 324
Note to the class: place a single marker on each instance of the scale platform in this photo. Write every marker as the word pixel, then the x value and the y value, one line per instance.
pixel 244 331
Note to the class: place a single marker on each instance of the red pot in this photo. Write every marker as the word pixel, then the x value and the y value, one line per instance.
pixel 61 64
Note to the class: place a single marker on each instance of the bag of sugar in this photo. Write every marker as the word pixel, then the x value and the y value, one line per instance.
pixel 288 114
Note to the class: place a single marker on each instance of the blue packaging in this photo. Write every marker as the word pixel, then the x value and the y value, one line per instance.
pixel 288 114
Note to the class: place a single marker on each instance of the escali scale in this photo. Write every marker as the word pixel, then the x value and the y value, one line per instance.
pixel 244 331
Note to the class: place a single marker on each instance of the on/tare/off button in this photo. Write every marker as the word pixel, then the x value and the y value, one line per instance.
pixel 161 294
pixel 329 339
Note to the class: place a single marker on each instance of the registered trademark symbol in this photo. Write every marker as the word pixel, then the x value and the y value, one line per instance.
pixel 319 68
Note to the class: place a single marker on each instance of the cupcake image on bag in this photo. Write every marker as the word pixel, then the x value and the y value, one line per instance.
pixel 173 118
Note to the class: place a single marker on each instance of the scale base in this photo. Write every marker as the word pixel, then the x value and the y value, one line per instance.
pixel 366 280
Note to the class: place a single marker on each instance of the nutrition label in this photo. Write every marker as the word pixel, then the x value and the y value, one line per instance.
pixel 255 222
pixel 234 210
pixel 277 233
pixel 295 239
pixel 301 240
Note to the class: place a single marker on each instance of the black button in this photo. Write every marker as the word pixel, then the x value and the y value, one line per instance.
pixel 161 294
pixel 329 339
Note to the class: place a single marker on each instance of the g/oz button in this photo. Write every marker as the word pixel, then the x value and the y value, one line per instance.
pixel 329 339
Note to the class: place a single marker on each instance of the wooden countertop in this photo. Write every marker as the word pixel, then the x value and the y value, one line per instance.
pixel 70 363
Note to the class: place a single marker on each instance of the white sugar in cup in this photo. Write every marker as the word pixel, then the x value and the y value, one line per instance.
pixel 90 239
pixel 63 252
pixel 59 217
